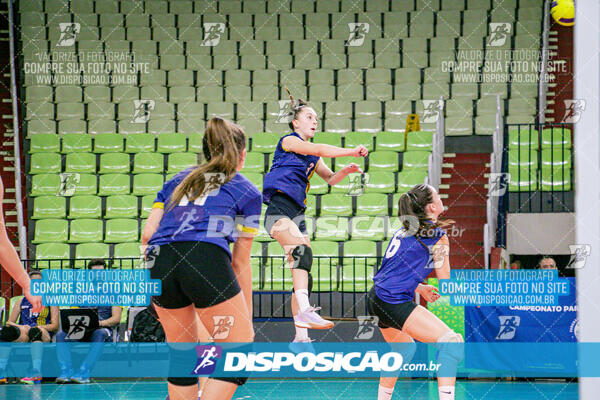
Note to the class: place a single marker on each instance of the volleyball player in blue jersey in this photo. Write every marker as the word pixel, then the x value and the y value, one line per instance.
pixel 284 191
pixel 419 246
pixel 193 221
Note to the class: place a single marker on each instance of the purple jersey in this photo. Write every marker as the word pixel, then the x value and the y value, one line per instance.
pixel 29 318
pixel 213 218
pixel 290 173
pixel 406 263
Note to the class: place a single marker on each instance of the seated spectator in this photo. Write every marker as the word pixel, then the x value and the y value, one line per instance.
pixel 109 318
pixel 23 326
pixel 547 262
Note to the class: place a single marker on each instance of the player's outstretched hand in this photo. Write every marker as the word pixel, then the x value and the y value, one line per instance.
pixel 429 293
pixel 36 301
pixel 360 151
pixel 352 168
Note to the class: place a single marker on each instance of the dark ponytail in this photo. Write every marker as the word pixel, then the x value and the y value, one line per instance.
pixel 411 211
pixel 222 146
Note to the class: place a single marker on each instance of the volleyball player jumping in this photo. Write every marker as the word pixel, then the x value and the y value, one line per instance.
pixel 417 247
pixel 9 259
pixel 284 191
pixel 192 223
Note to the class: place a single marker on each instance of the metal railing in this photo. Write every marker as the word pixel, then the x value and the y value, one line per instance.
pixel 437 155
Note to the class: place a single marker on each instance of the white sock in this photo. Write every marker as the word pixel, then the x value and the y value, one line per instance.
pixel 302 298
pixel 446 392
pixel 384 393
pixel 199 393
pixel 301 334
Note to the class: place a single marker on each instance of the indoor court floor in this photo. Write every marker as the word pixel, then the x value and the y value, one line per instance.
pixel 306 389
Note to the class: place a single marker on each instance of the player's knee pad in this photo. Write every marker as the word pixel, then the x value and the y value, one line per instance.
pixel 189 381
pixel 237 381
pixel 303 257
pixel 451 347
pixel 9 333
pixel 35 334
pixel 310 283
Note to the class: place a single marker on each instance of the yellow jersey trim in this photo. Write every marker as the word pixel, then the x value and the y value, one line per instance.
pixel 158 204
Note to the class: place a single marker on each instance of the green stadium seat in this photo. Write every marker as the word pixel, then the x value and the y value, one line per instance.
pixel 76 143
pixel 556 157
pixel 255 162
pixel 556 137
pixel 220 109
pixel 311 205
pixel 44 143
pixel 121 230
pixel 108 143
pixel 139 143
pixel 368 109
pixel 336 204
pixel 180 161
pixel 368 228
pixel 45 184
pixel 523 156
pixel 390 141
pixel 66 111
pixel 81 162
pixel 254 177
pixel 101 126
pixel 45 163
pixel 38 126
pixel 171 143
pixel 195 143
pixel 383 161
pixel 52 255
pixel 332 138
pixel 354 139
pixel 380 182
pixel 148 163
pixel 265 142
pixel 121 206
pixel 112 184
pixel 409 178
pixel 556 178
pixel 39 111
pixel 419 141
pixel 85 231
pixel 128 128
pixel 127 255
pixel 147 184
pixel 86 252
pixel 372 204
pixel 49 207
pixel 318 185
pixel 114 163
pixel 522 179
pixel 38 94
pixel 147 202
pixel 85 206
pixel 341 162
pixel 523 137
pixel 358 278
pixel 416 159
pixel 50 231
pixel 101 110
pixel 278 276
pixel 85 184
pixel 68 94
pixel 331 228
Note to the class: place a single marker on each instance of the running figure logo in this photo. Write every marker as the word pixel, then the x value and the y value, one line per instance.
pixel 223 324
pixel 212 33
pixel 186 222
pixel 141 113
pixel 207 356
pixel 68 184
pixel 358 182
pixel 431 110
pixel 68 34
pixel 579 255
pixel 498 183
pixel 508 326
pixel 573 110
pixel 285 112
pixel 366 326
pixel 358 32
pixel 499 32
pixel 77 326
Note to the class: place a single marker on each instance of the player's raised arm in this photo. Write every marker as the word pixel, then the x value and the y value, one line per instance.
pixel 333 178
pixel 297 145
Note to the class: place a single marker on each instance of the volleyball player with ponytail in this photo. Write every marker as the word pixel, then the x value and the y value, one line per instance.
pixel 192 223
pixel 419 246
pixel 284 191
